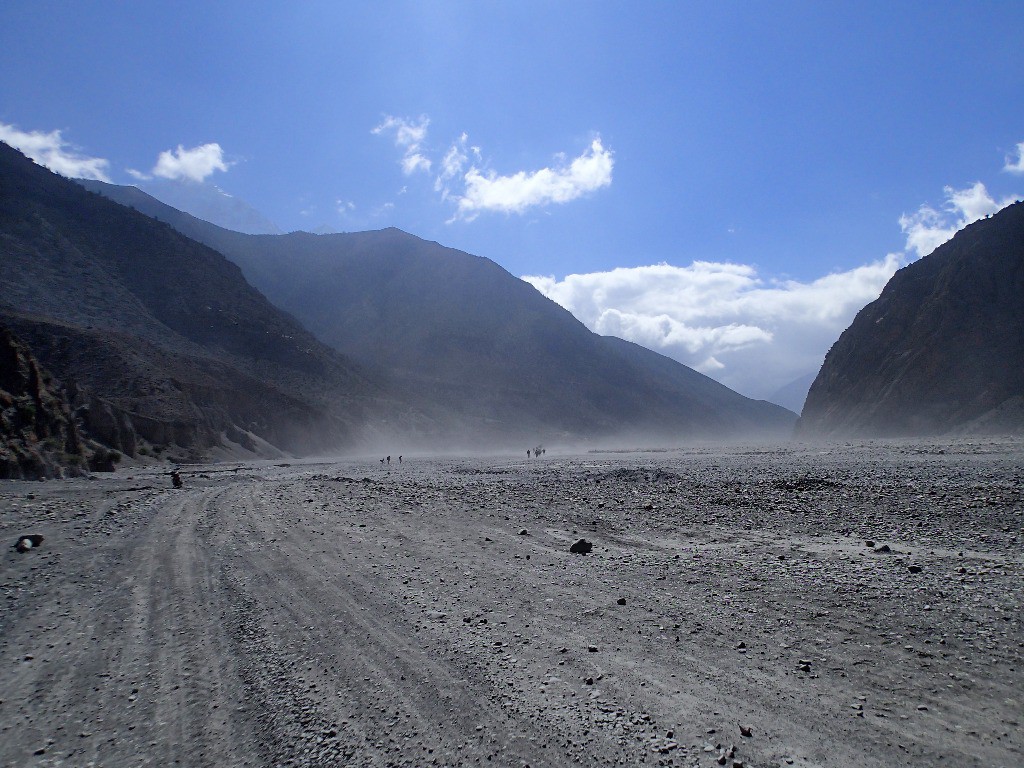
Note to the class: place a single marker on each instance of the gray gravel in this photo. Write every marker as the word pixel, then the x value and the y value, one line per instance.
pixel 855 604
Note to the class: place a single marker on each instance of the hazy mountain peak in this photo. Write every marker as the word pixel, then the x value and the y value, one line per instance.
pixel 210 203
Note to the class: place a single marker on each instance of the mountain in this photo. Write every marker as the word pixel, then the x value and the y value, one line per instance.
pixel 39 435
pixel 940 351
pixel 210 203
pixel 162 342
pixel 467 341
pixel 793 394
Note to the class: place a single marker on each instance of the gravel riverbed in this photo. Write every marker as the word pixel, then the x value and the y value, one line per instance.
pixel 853 604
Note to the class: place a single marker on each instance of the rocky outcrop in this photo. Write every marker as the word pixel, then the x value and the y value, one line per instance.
pixel 940 351
pixel 39 436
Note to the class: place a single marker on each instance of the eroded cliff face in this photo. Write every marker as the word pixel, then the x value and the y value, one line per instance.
pixel 941 351
pixel 39 435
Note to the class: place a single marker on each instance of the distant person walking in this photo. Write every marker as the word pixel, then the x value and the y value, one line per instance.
pixel 399 458
pixel 527 453
pixel 176 479
pixel 389 461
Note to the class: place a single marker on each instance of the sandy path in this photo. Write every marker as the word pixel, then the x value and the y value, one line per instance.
pixel 305 616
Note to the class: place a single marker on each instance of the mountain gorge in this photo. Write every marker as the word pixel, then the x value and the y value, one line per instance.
pixel 471 344
pixel 941 351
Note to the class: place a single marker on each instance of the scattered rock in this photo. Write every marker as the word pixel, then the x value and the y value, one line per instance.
pixel 883 548
pixel 523 532
pixel 621 601
pixel 914 568
pixel 746 731
pixel 581 547
pixel 28 541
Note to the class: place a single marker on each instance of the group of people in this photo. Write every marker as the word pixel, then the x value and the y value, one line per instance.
pixel 388 460
pixel 538 451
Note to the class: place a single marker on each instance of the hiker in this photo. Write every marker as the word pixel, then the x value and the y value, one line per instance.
pixel 399 458
pixel 176 479
pixel 389 461
pixel 527 453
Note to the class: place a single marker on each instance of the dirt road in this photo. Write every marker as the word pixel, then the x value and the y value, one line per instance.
pixel 345 613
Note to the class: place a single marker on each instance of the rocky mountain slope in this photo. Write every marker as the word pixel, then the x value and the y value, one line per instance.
pixel 458 334
pixel 39 434
pixel 168 344
pixel 940 351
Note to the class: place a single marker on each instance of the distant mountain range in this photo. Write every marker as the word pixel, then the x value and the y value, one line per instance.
pixel 793 394
pixel 466 341
pixel 941 351
pixel 159 344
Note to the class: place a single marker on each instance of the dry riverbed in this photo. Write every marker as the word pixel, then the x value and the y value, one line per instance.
pixel 844 605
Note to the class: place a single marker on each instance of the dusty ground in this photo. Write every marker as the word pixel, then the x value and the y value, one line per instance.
pixel 430 614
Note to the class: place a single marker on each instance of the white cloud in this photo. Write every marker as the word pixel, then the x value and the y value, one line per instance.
pixel 51 150
pixel 753 335
pixel 474 190
pixel 1016 166
pixel 409 135
pixel 195 164
pixel 928 228
pixel 488 191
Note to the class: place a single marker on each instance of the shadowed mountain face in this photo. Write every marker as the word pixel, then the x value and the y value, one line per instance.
pixel 462 338
pixel 39 436
pixel 166 340
pixel 940 351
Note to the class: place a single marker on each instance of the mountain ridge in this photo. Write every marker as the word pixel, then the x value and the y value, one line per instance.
pixel 444 325
pixel 163 332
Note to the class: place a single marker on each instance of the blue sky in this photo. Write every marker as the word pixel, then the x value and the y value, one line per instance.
pixel 778 142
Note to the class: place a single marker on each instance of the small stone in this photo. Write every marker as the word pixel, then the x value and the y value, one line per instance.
pixel 914 568
pixel 746 730
pixel 523 532
pixel 28 541
pixel 592 649
pixel 621 601
pixel 883 548
pixel 869 543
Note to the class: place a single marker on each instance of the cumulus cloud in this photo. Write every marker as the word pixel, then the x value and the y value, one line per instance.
pixel 409 136
pixel 51 150
pixel 752 334
pixel 462 176
pixel 929 228
pixel 195 164
pixel 489 191
pixel 1016 166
